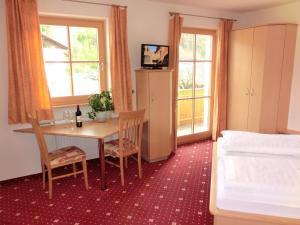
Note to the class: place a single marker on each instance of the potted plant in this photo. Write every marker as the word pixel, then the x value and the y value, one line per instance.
pixel 101 105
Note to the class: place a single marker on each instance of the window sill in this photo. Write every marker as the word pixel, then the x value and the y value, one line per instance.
pixel 61 102
pixel 69 105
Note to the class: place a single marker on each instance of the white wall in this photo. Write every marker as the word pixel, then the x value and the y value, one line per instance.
pixel 147 23
pixel 281 14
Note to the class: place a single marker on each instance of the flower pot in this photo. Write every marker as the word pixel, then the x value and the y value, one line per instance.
pixel 101 116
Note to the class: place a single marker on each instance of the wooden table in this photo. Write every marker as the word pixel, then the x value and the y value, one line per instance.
pixel 92 129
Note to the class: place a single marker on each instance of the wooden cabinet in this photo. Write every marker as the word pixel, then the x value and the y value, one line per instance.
pixel 259 80
pixel 154 93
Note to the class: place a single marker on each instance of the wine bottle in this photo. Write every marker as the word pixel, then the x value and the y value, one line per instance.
pixel 78 117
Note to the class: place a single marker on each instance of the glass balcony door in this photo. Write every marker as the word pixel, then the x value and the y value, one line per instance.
pixel 195 83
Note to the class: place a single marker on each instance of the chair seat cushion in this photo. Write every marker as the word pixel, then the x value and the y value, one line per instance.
pixel 66 155
pixel 112 148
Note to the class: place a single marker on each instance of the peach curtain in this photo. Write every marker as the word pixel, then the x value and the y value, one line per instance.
pixel 220 98
pixel 175 29
pixel 28 89
pixel 120 61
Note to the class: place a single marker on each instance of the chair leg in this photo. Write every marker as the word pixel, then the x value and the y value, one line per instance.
pixel 84 167
pixel 140 165
pixel 122 170
pixel 74 170
pixel 126 162
pixel 44 175
pixel 50 182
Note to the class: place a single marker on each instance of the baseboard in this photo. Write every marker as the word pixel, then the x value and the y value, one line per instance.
pixel 154 160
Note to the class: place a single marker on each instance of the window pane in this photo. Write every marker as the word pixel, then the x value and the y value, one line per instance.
pixel 59 79
pixel 202 114
pixel 186 47
pixel 184 117
pixel 55 42
pixel 85 78
pixel 202 79
pixel 203 47
pixel 84 43
pixel 185 79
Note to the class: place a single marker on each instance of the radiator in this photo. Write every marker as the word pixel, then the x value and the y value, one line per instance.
pixel 90 146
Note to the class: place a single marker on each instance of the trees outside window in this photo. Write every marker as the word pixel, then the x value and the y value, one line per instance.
pixel 74 56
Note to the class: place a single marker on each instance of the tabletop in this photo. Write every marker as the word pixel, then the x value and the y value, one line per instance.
pixel 91 129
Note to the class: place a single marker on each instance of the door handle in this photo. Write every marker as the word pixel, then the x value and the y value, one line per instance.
pixel 252 92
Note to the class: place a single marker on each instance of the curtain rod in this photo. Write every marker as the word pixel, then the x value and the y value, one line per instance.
pixel 95 3
pixel 209 17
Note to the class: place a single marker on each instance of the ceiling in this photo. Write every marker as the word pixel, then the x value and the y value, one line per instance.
pixel 231 5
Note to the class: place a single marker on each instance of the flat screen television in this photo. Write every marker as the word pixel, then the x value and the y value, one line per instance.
pixel 154 56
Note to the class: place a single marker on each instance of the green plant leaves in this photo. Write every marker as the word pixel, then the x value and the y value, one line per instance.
pixel 100 103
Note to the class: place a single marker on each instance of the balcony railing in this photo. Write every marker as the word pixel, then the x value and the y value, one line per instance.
pixel 185 107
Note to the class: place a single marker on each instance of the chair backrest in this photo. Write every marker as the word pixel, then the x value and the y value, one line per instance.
pixel 40 139
pixel 130 130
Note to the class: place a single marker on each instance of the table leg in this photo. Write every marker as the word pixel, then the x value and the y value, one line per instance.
pixel 102 164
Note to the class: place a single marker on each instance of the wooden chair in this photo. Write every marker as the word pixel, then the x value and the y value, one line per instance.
pixel 58 158
pixel 129 142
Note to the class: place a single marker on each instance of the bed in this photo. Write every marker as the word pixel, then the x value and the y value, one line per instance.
pixel 256 179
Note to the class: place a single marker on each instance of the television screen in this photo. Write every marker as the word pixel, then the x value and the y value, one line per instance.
pixel 155 55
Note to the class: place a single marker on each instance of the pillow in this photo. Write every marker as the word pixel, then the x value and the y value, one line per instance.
pixel 263 150
pixel 234 133
pixel 242 141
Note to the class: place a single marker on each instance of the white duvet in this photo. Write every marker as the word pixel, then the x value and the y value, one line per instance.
pixel 259 174
pixel 261 179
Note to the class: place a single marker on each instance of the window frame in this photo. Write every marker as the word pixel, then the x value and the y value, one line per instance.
pixel 102 60
pixel 205 134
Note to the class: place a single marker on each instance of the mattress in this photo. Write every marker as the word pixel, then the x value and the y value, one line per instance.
pixel 258 183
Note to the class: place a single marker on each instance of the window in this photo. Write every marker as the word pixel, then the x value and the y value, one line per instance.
pixel 195 82
pixel 74 56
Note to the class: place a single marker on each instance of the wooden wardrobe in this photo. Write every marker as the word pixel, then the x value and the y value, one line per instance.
pixel 260 75
pixel 154 93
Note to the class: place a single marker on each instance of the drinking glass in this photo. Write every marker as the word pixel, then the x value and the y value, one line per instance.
pixel 72 117
pixel 66 116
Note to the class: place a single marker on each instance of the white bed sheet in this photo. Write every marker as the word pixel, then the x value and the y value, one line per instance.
pixel 261 184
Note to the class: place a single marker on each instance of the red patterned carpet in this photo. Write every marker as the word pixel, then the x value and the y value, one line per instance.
pixel 174 192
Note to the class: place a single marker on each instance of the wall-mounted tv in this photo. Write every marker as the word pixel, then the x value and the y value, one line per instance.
pixel 154 56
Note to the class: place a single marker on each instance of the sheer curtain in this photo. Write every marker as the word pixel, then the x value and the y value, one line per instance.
pixel 28 89
pixel 120 61
pixel 175 29
pixel 220 98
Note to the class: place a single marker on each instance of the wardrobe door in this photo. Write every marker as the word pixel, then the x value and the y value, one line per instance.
pixel 286 77
pixel 142 102
pixel 256 84
pixel 268 48
pixel 272 78
pixel 240 58
pixel 160 114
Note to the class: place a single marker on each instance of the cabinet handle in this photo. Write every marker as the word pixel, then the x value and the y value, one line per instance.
pixel 152 99
pixel 247 92
pixel 252 92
